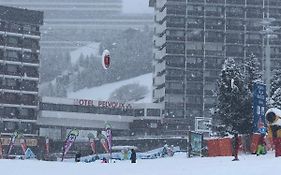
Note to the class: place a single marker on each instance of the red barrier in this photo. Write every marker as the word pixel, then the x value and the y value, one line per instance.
pixel 254 143
pixel 219 147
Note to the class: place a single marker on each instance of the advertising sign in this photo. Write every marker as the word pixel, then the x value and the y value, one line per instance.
pixel 195 143
pixel 259 107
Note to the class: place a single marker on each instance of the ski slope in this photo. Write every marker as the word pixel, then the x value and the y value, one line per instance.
pixel 103 92
pixel 177 165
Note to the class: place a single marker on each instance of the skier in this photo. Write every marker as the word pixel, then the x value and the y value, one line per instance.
pixel 165 151
pixel 104 160
pixel 133 156
pixel 236 143
pixel 261 145
pixel 274 129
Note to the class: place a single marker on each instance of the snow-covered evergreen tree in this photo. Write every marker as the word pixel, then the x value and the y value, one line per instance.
pixel 234 107
pixel 251 71
pixel 276 98
pixel 275 80
pixel 276 89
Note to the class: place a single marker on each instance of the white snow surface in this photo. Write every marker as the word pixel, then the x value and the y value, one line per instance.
pixel 177 165
pixel 103 92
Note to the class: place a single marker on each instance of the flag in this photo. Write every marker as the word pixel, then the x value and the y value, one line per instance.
pixel 47 146
pixel 23 145
pixel 108 136
pixel 70 139
pixel 12 141
pixel 93 145
pixel 1 150
pixel 92 140
pixel 103 141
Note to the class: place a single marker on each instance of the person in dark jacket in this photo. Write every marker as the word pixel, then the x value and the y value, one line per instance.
pixel 236 143
pixel 77 157
pixel 133 156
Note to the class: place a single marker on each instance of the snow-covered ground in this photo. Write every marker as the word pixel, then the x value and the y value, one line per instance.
pixel 103 92
pixel 177 165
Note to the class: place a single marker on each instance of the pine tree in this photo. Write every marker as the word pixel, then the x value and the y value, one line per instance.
pixel 276 80
pixel 251 71
pixel 276 89
pixel 234 99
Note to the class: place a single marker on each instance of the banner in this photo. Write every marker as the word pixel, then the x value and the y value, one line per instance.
pixel 103 141
pixel 23 145
pixel 93 145
pixel 92 141
pixel 47 146
pixel 15 135
pixel 259 107
pixel 70 139
pixel 195 143
pixel 1 150
pixel 108 136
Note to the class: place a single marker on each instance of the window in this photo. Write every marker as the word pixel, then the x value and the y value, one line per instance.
pixel 28 85
pixel 25 127
pixel 15 27
pixel 194 62
pixel 24 112
pixel 11 82
pixel 2 40
pixel 10 126
pixel 30 71
pixel 175 48
pixel 10 98
pixel 10 112
pixel 11 55
pixel 27 29
pixel 27 43
pixel 139 112
pixel 28 99
pixel 12 41
pixel 179 33
pixel 12 69
pixel 1 112
pixel 194 46
pixel 174 85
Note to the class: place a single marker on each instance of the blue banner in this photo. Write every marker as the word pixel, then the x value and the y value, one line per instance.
pixel 259 107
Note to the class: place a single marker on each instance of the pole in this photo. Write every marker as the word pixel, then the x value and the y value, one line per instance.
pixel 267 65
pixel 267 58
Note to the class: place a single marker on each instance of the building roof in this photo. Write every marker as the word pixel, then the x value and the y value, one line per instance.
pixel 21 15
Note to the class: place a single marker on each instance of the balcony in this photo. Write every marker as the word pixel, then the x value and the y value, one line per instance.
pixel 232 27
pixel 195 13
pixel 194 52
pixel 161 28
pixel 214 27
pixel 159 54
pixel 161 15
pixel 234 15
pixel 161 4
pixel 214 14
pixel 159 41
pixel 159 80
pixel 254 41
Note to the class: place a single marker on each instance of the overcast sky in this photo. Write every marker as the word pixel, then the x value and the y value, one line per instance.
pixel 136 6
